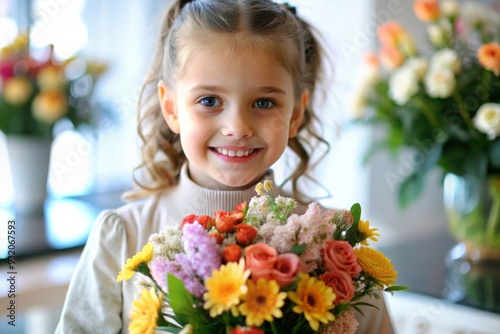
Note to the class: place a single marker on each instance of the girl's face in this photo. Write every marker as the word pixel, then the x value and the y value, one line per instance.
pixel 234 115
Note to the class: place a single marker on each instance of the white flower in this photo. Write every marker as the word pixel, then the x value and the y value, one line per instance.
pixel 418 65
pixel 450 8
pixel 479 17
pixel 403 84
pixel 487 119
pixel 446 59
pixel 440 34
pixel 440 82
pixel 368 76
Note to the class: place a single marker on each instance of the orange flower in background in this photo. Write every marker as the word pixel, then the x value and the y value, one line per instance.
pixel 232 253
pixel 489 57
pixel 427 10
pixel 371 60
pixel 17 90
pixel 391 57
pixel 245 234
pixel 49 106
pixel 390 33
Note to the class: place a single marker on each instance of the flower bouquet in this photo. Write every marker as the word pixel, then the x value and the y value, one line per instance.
pixel 259 269
pixel 443 105
pixel 35 93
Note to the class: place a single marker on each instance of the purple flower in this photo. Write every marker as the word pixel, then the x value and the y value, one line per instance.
pixel 201 250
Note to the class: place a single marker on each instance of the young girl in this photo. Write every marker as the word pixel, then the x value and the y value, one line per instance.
pixel 230 88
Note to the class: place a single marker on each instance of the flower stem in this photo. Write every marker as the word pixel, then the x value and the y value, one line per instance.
pixel 428 113
pixel 494 217
pixel 462 110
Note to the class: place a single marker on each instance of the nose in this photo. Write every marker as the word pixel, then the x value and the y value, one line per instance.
pixel 237 124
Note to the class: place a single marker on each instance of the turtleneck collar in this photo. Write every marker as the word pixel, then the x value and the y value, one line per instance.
pixel 191 198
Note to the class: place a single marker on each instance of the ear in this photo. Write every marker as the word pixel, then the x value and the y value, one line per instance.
pixel 168 109
pixel 298 113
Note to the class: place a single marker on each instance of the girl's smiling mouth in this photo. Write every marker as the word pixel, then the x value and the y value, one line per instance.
pixel 232 154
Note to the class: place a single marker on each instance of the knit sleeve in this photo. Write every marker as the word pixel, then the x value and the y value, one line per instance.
pixel 94 299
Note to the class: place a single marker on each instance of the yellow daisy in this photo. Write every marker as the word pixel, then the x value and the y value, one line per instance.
pixel 367 232
pixel 375 264
pixel 145 312
pixel 225 288
pixel 314 299
pixel 132 264
pixel 262 302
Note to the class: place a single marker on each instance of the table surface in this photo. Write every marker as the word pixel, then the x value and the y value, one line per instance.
pixel 63 229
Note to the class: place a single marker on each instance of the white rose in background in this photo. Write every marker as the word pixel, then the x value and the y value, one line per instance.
pixel 419 65
pixel 403 84
pixel 478 17
pixel 440 82
pixel 368 76
pixel 446 59
pixel 487 119
pixel 440 34
pixel 450 8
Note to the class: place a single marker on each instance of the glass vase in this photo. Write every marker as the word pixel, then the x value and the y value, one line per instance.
pixel 473 211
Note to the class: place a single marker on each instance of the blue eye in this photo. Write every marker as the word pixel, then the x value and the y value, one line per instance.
pixel 209 101
pixel 263 104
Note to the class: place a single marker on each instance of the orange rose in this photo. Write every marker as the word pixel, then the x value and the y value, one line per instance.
pixel 260 259
pixel 489 57
pixel 226 221
pixel 246 330
pixel 427 10
pixel 245 234
pixel 206 221
pixel 339 255
pixel 391 57
pixel 285 269
pixel 219 238
pixel 49 106
pixel 242 207
pixel 341 283
pixel 231 253
pixel 389 33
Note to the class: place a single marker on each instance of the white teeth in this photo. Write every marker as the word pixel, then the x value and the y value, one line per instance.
pixel 238 153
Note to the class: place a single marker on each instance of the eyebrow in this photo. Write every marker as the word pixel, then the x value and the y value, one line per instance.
pixel 267 89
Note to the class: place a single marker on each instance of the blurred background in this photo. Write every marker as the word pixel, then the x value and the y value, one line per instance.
pixel 91 163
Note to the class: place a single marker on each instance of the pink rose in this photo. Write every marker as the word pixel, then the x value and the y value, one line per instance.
pixel 285 269
pixel 260 259
pixel 341 283
pixel 339 255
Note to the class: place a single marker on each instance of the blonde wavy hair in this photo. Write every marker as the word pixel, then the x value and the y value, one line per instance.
pixel 259 23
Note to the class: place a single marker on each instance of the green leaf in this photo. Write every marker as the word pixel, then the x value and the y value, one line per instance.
pixel 396 288
pixel 365 304
pixel 181 300
pixel 410 189
pixel 169 329
pixel 299 249
pixel 353 230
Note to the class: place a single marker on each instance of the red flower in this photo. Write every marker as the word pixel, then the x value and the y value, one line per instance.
pixel 245 234
pixel 242 207
pixel 246 330
pixel 232 253
pixel 206 221
pixel 219 238
pixel 341 283
pixel 226 221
